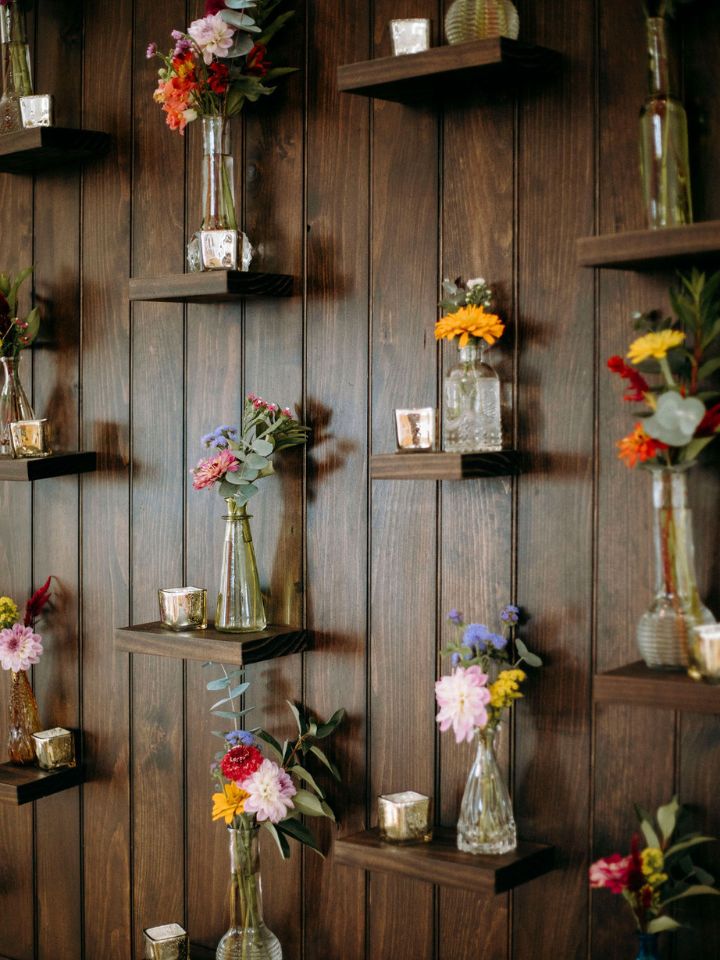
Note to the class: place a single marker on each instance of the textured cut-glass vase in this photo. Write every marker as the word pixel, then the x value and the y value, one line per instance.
pixel 486 824
pixel 664 161
pixel 471 412
pixel 477 19
pixel 23 720
pixel 665 630
pixel 240 607
pixel 16 76
pixel 14 404
pixel 649 947
pixel 248 938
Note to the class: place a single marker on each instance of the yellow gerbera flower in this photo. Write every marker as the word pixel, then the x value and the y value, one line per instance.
pixel 229 803
pixel 470 321
pixel 654 345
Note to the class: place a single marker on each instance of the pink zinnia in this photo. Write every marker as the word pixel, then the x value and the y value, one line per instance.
pixel 19 648
pixel 271 791
pixel 209 471
pixel 462 698
pixel 611 872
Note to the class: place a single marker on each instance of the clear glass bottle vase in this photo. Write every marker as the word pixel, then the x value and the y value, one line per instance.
pixel 477 19
pixel 23 720
pixel 486 824
pixel 471 411
pixel 240 607
pixel 248 937
pixel 665 630
pixel 14 404
pixel 16 75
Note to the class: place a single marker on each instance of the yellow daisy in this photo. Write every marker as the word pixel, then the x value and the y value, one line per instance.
pixel 470 321
pixel 229 803
pixel 654 345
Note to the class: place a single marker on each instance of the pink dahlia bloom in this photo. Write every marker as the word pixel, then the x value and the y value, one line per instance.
pixel 209 471
pixel 611 872
pixel 213 36
pixel 271 791
pixel 462 698
pixel 19 648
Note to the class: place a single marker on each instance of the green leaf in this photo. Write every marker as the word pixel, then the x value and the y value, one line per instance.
pixel 300 833
pixel 323 759
pixel 707 369
pixel 271 742
pixel 308 804
pixel 325 729
pixel 695 447
pixel 302 774
pixel 703 876
pixel 263 447
pixel 697 890
pixel 328 811
pixel 4 284
pixel 296 714
pixel 667 818
pixel 530 658
pixel 282 844
pixel 278 72
pixel 686 844
pixel 33 322
pixel 646 826
pixel 255 462
pixel 277 24
pixel 663 925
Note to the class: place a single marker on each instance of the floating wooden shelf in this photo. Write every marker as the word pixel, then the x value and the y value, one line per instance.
pixel 444 466
pixel 446 71
pixel 42 468
pixel 652 249
pixel 22 784
pixel 637 684
pixel 210 644
pixel 214 286
pixel 42 148
pixel 442 863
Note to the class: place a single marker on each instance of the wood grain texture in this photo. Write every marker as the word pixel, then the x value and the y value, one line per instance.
pixel 20 785
pixel 210 644
pixel 636 684
pixel 46 148
pixel 218 286
pixel 444 466
pixel 41 468
pixel 652 249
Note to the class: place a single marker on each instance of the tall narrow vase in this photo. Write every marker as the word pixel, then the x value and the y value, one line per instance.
pixel 649 947
pixel 24 720
pixel 486 824
pixel 664 163
pixel 477 19
pixel 248 938
pixel 665 631
pixel 14 404
pixel 240 607
pixel 471 412
pixel 16 76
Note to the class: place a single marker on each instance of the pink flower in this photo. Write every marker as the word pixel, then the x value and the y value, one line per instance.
pixel 209 471
pixel 213 36
pixel 612 872
pixel 271 790
pixel 462 698
pixel 19 648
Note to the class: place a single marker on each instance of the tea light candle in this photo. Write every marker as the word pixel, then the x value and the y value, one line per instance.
pixel 405 817
pixel 410 35
pixel 30 438
pixel 54 748
pixel 37 110
pixel 706 650
pixel 183 608
pixel 415 429
pixel 169 942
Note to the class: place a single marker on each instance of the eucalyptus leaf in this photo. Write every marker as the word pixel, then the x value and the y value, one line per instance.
pixel 263 447
pixel 530 658
pixel 255 462
pixel 240 21
pixel 229 714
pixel 219 684
pixel 240 4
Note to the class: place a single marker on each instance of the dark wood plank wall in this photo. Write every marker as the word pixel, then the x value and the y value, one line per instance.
pixel 368 205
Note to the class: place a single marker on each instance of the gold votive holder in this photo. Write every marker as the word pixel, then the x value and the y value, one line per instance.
pixel 183 608
pixel 31 438
pixel 415 429
pixel 411 35
pixel 54 748
pixel 706 653
pixel 168 942
pixel 405 817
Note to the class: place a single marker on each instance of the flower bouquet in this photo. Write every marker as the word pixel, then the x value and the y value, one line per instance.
pixel 240 459
pixel 15 336
pixel 473 705
pixel 652 877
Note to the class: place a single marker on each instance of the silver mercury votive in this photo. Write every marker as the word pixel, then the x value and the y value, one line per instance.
pixel 168 942
pixel 415 429
pixel 183 608
pixel 31 438
pixel 54 748
pixel 405 817
pixel 37 110
pixel 706 652
pixel 218 250
pixel 410 35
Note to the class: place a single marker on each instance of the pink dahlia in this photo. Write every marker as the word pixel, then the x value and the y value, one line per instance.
pixel 270 792
pixel 209 471
pixel 213 35
pixel 19 648
pixel 611 872
pixel 462 698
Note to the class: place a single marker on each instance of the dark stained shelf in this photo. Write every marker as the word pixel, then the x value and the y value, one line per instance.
pixel 20 785
pixel 447 70
pixel 42 468
pixel 210 644
pixel 638 685
pixel 43 148
pixel 652 249
pixel 213 286
pixel 440 861
pixel 444 466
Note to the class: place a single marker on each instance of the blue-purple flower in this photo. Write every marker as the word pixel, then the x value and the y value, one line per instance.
pixel 477 635
pixel 498 641
pixel 237 737
pixel 455 617
pixel 510 614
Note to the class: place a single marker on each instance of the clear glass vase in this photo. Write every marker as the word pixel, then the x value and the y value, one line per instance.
pixel 16 75
pixel 240 607
pixel 477 19
pixel 248 938
pixel 471 411
pixel 664 161
pixel 486 824
pixel 23 718
pixel 649 947
pixel 665 632
pixel 14 404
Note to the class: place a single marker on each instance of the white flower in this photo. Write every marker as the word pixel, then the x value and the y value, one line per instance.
pixel 270 790
pixel 476 282
pixel 190 115
pixel 213 36
pixel 462 698
pixel 19 648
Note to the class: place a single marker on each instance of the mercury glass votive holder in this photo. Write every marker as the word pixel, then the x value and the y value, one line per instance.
pixel 168 942
pixel 54 748
pixel 31 438
pixel 706 653
pixel 411 35
pixel 405 817
pixel 183 608
pixel 37 110
pixel 415 429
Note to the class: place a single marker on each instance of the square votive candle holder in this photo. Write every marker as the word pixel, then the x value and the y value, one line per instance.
pixel 405 817
pixel 411 35
pixel 31 438
pixel 37 110
pixel 706 652
pixel 415 429
pixel 54 748
pixel 168 942
pixel 183 608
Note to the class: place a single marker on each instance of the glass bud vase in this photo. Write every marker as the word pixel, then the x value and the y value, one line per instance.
pixel 665 631
pixel 471 412
pixel 649 947
pixel 240 607
pixel 477 19
pixel 664 162
pixel 248 938
pixel 16 76
pixel 14 404
pixel 23 718
pixel 486 824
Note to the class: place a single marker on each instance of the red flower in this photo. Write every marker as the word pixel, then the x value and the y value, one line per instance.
pixel 635 876
pixel 218 77
pixel 710 423
pixel 638 385
pixel 638 447
pixel 214 6
pixel 240 762
pixel 256 63
pixel 37 601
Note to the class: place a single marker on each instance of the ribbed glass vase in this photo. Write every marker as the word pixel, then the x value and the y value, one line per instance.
pixel 477 19
pixel 486 824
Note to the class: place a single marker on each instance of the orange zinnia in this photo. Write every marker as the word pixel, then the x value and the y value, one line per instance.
pixel 470 321
pixel 638 447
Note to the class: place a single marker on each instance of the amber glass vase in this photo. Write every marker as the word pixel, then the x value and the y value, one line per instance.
pixel 23 718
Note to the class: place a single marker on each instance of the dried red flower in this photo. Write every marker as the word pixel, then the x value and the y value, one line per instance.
pixel 256 64
pixel 240 762
pixel 37 601
pixel 218 77
pixel 637 386
pixel 710 423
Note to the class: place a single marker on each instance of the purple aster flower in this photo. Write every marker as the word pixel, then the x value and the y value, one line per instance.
pixel 498 641
pixel 208 440
pixel 151 50
pixel 510 614
pixel 455 617
pixel 455 659
pixel 237 737
pixel 477 635
pixel 181 46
